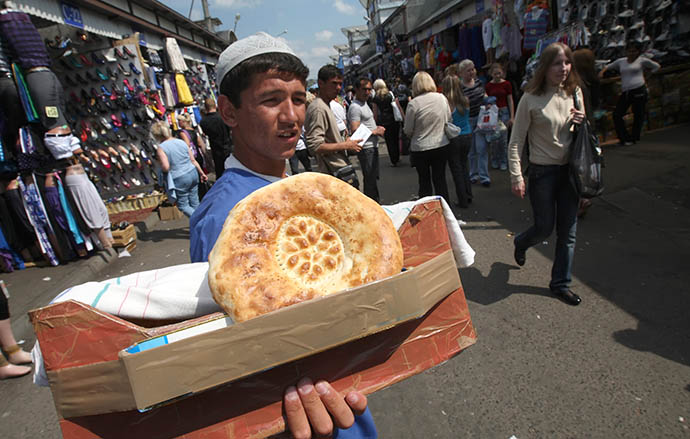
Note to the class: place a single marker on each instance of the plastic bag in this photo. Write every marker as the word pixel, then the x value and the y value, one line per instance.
pixel 488 118
pixel 586 161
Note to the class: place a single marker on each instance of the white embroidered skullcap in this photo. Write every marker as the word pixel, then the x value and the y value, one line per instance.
pixel 246 48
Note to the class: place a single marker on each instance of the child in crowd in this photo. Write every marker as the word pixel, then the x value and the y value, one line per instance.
pixel 503 91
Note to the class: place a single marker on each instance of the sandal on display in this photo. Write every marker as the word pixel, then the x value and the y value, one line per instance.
pixel 134 69
pixel 113 158
pixel 145 157
pixel 112 73
pixel 101 75
pixel 128 85
pixel 129 53
pixel 135 181
pixel 114 184
pixel 123 153
pixel 109 57
pixel 124 182
pixel 125 119
pixel 104 158
pixel 134 155
pixel 119 54
pixel 115 120
pixel 85 61
pixel 97 59
pixel 122 70
pixel 143 177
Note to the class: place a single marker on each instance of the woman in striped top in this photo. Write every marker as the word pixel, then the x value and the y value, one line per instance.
pixel 473 89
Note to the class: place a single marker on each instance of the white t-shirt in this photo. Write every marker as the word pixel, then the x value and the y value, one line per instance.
pixel 487 33
pixel 339 113
pixel 632 74
pixel 361 112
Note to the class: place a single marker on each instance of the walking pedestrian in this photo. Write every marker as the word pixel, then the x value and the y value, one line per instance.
pixel 459 147
pixel 361 113
pixel 218 134
pixel 633 90
pixel 502 90
pixel 177 159
pixel 12 366
pixel 479 153
pixel 425 123
pixel 546 114
pixel 321 129
pixel 384 101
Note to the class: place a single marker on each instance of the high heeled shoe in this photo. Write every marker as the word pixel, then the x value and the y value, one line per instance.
pixel 123 153
pixel 122 70
pixel 129 53
pixel 104 158
pixel 114 158
pixel 119 54
pixel 134 69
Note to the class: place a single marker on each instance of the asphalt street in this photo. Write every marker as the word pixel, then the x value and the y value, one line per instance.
pixel 617 366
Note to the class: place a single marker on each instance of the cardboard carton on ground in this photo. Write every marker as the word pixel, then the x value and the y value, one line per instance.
pixel 90 372
pixel 168 213
pixel 122 238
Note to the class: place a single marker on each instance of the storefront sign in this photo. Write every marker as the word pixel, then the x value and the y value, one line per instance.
pixel 480 6
pixel 72 15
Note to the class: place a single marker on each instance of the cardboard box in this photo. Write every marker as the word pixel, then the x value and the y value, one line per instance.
pixel 167 213
pixel 122 238
pixel 82 350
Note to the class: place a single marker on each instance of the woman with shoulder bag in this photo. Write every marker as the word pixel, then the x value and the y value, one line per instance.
pixel 546 114
pixel 384 101
pixel 459 145
pixel 425 123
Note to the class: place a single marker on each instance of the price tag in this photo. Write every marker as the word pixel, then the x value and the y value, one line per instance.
pixel 52 112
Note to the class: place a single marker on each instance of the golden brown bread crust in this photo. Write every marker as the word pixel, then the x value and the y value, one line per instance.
pixel 305 236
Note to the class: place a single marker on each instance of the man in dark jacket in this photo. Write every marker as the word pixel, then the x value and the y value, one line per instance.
pixel 218 136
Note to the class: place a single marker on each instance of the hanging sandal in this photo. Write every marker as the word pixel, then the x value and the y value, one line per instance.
pixel 122 152
pixel 128 52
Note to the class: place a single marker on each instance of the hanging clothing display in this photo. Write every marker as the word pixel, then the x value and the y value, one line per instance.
pixel 39 220
pixel 177 62
pixel 88 201
pixel 536 23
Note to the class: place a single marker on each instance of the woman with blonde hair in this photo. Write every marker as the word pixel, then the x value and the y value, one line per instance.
pixel 385 116
pixel 546 114
pixel 425 123
pixel 459 146
pixel 177 158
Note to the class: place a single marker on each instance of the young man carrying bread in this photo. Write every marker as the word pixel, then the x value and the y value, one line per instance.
pixel 262 98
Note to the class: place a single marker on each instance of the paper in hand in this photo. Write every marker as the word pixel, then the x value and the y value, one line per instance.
pixel 361 134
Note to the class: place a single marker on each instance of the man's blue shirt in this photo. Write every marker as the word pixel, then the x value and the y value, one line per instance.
pixel 208 218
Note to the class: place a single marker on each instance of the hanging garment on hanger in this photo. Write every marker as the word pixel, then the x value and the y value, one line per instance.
pixel 487 33
pixel 536 23
pixel 69 216
pixel 168 97
pixel 177 62
pixel 21 35
pixel 183 91
pixel 88 201
pixel 9 259
pixel 38 218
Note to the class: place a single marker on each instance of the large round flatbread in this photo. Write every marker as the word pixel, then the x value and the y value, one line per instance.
pixel 305 236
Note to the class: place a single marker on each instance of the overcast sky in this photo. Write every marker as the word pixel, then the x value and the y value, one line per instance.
pixel 313 26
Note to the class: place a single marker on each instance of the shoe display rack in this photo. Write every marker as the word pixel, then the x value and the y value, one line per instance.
pixel 112 95
pixel 107 108
pixel 611 23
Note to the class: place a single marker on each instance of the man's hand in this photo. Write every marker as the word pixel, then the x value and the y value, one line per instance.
pixel 378 131
pixel 203 177
pixel 313 410
pixel 518 189
pixel 352 145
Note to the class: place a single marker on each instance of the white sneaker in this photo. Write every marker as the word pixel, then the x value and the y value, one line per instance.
pixel 663 36
pixel 665 4
pixel 657 20
pixel 627 13
pixel 637 25
pixel 617 28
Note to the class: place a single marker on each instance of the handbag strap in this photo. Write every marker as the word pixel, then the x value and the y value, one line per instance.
pixel 576 99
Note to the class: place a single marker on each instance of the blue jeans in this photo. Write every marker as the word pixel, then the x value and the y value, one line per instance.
pixel 499 147
pixel 479 155
pixel 554 201
pixel 187 191
pixel 369 162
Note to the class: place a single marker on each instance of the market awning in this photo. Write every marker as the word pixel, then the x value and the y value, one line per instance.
pixel 83 18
